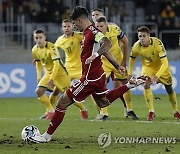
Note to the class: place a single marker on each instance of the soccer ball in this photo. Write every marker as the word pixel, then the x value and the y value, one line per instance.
pixel 29 131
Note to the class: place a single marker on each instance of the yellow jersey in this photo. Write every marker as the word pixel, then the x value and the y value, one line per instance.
pixel 152 55
pixel 114 33
pixel 50 59
pixel 72 48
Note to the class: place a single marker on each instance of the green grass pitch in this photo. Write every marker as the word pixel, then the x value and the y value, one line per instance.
pixel 81 136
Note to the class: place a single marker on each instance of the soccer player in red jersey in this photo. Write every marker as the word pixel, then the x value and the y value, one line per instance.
pixel 93 78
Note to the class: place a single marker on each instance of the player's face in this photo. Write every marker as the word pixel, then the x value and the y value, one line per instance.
pixel 144 38
pixel 102 26
pixel 67 28
pixel 95 15
pixel 40 40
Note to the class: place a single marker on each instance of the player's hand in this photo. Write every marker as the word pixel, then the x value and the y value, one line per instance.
pixel 154 80
pixel 34 62
pixel 50 84
pixel 128 77
pixel 121 70
pixel 90 59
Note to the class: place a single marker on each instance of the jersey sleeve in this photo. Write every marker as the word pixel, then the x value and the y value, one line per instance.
pixel 162 54
pixel 134 51
pixel 38 69
pixel 57 43
pixel 99 36
pixel 55 57
pixel 120 34
pixel 34 53
pixel 161 50
pixel 133 55
pixel 54 53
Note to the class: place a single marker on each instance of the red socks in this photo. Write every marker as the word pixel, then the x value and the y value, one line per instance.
pixel 56 120
pixel 116 93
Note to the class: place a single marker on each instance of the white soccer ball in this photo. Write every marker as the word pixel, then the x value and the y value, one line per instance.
pixel 29 131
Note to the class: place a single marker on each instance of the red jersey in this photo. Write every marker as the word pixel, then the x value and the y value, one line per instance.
pixel 94 70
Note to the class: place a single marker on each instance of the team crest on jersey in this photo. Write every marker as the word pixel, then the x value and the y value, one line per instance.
pixel 94 31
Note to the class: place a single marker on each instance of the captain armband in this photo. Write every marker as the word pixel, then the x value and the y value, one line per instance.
pixel 96 54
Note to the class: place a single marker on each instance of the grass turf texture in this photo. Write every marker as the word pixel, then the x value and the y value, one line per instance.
pixel 80 136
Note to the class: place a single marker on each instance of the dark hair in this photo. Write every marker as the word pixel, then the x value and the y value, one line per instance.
pixel 101 19
pixel 38 31
pixel 79 11
pixel 97 9
pixel 66 20
pixel 143 29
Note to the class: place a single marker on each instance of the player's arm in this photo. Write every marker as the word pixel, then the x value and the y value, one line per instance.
pixel 38 70
pixel 131 65
pixel 132 58
pixel 105 45
pixel 163 57
pixel 124 40
pixel 114 62
pixel 56 58
pixel 163 67
pixel 37 63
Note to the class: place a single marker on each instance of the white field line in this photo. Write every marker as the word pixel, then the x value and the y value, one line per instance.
pixel 109 121
pixel 139 121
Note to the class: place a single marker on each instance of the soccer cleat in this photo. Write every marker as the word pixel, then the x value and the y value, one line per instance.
pixel 38 138
pixel 134 82
pixel 43 116
pixel 132 115
pixel 99 116
pixel 151 116
pixel 84 114
pixel 50 115
pixel 177 115
pixel 104 118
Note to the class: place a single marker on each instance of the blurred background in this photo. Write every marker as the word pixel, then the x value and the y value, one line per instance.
pixel 19 18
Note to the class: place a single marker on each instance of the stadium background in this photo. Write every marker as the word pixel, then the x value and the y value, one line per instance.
pixel 18 19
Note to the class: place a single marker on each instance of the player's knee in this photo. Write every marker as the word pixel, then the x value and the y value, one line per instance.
pixel 38 92
pixel 64 101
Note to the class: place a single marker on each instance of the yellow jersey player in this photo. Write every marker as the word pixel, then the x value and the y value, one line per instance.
pixel 116 36
pixel 47 56
pixel 155 65
pixel 103 112
pixel 70 43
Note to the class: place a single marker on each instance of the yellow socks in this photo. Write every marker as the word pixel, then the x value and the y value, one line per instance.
pixel 45 100
pixel 173 100
pixel 127 97
pixel 104 111
pixel 149 99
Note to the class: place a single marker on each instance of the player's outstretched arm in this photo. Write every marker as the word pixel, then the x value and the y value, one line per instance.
pixel 114 62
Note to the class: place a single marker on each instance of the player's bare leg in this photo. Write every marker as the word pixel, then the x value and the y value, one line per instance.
pixel 126 100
